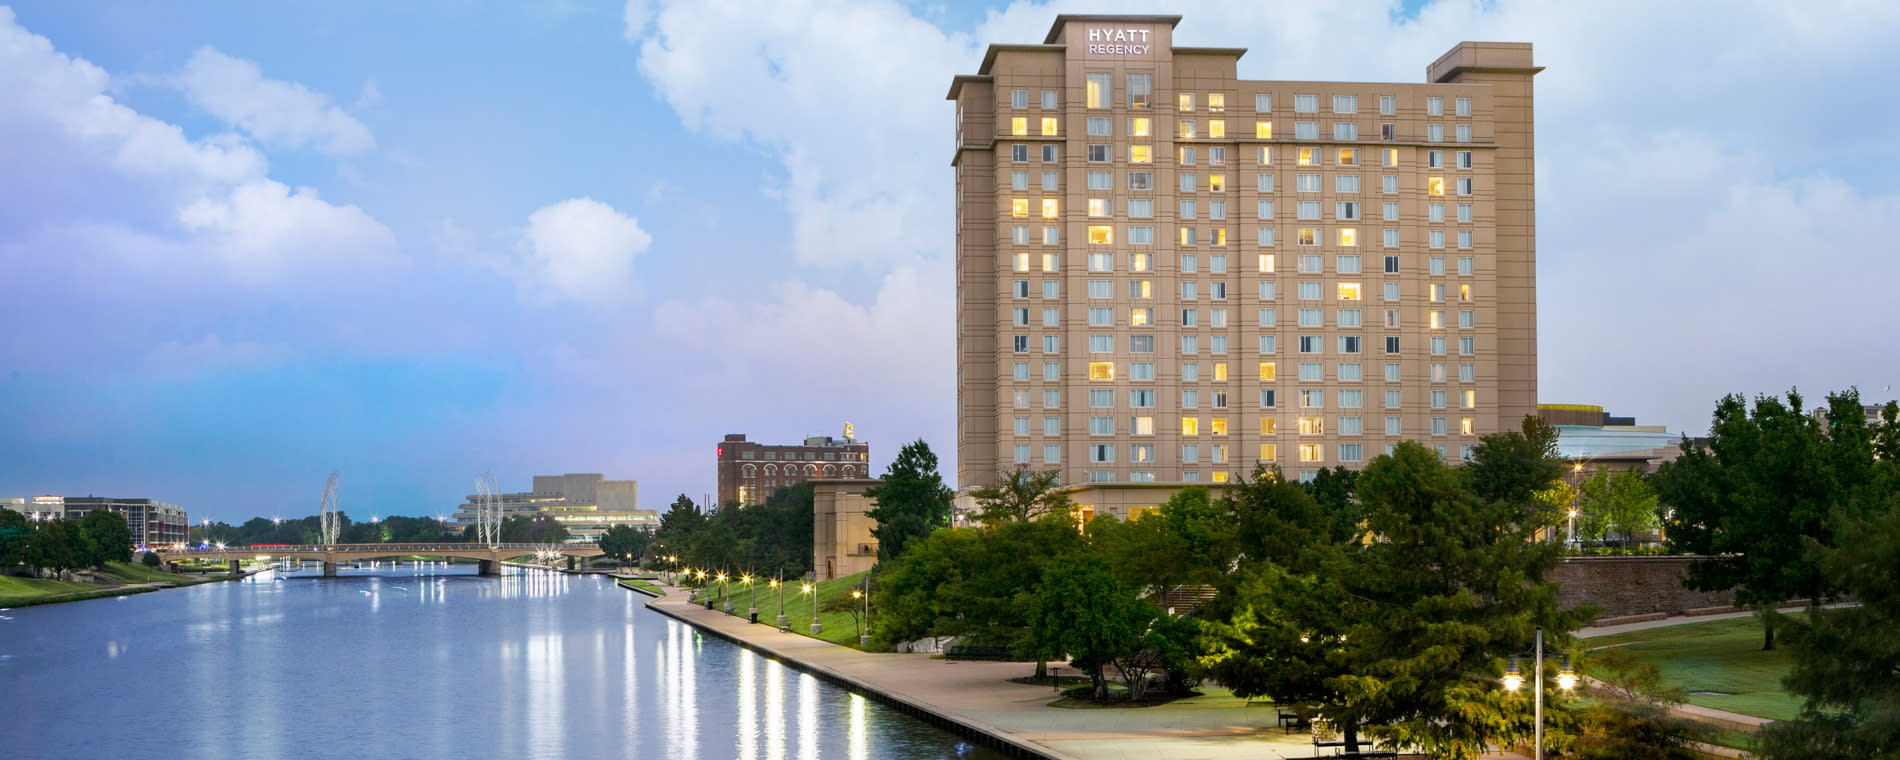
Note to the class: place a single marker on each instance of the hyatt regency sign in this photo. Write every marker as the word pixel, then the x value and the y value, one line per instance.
pixel 1119 42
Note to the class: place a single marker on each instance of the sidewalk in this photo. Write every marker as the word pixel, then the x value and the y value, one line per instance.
pixel 978 697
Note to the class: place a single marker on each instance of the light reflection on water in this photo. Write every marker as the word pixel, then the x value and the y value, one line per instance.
pixel 416 661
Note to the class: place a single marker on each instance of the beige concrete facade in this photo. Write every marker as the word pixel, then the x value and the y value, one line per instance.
pixel 841 533
pixel 1167 281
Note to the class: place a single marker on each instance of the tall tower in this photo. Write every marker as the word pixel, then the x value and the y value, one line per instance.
pixel 1168 274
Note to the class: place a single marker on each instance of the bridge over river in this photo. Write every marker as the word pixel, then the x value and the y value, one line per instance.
pixel 489 555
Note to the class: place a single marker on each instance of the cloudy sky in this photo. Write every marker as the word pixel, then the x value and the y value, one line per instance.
pixel 245 244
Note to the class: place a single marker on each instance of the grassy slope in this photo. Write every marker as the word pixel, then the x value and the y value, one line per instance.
pixel 838 625
pixel 1719 655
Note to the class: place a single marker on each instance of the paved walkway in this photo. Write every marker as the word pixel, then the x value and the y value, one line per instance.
pixel 979 697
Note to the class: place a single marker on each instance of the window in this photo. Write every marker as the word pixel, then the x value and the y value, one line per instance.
pixel 1389 132
pixel 1434 185
pixel 1345 130
pixel 1348 318
pixel 1051 180
pixel 1263 102
pixel 1311 344
pixel 1435 238
pixel 1101 452
pixel 1019 234
pixel 1464 265
pixel 1019 180
pixel 1312 426
pixel 1021 261
pixel 1349 344
pixel 1215 128
pixel 1020 318
pixel 1101 262
pixel 1389 183
pixel 1098 154
pixel 1391 344
pixel 1019 153
pixel 1348 237
pixel 1018 98
pixel 1389 237
pixel 1463 106
pixel 1391 291
pixel 1022 426
pixel 1049 154
pixel 1464 159
pixel 1217 210
pixel 1464 212
pixel 1345 104
pixel 1140 316
pixel 1141 425
pixel 1312 317
pixel 1464 238
pixel 1464 133
pixel 1388 104
pixel 1020 343
pixel 1306 210
pixel 1348 291
pixel 1019 125
pixel 1352 452
pixel 1186 127
pixel 1048 259
pixel 1434 106
pixel 1438 346
pixel 1268 289
pixel 1351 398
pixel 1101 207
pixel 1188 182
pixel 1392 399
pixel 1466 185
pixel 1312 371
pixel 1141 452
pixel 1217 154
pixel 1140 154
pixel 1019 289
pixel 1434 159
pixel 1306 130
pixel 1141 208
pixel 1389 157
pixel 1264 183
pixel 1306 104
pixel 1468 399
pixel 1184 101
pixel 1140 90
pixel 1189 317
pixel 1391 265
pixel 1467 346
pixel 1052 399
pixel 1264 236
pixel 1051 344
pixel 1306 183
pixel 1346 183
pixel 1434 133
pixel 1100 90
pixel 1102 316
pixel 1269 398
pixel 1269 344
pixel 1141 344
pixel 1049 208
pixel 1190 371
pixel 1049 98
pixel 1351 371
pixel 1190 426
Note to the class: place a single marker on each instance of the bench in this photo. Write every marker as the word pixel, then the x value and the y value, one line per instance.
pixel 1290 721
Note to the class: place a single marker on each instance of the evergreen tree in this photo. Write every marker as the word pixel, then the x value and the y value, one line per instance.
pixel 1761 491
pixel 910 502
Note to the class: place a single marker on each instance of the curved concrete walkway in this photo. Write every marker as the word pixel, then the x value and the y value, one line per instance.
pixel 979 697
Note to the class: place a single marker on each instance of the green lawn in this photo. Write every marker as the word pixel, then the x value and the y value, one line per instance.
pixel 798 606
pixel 1716 656
pixel 642 584
pixel 133 572
pixel 14 591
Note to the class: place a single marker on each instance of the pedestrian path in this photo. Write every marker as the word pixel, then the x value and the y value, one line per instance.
pixel 979 697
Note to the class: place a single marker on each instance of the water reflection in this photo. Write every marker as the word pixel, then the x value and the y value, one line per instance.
pixel 530 665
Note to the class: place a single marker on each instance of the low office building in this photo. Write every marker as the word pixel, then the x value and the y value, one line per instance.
pixel 842 543
pixel 587 504
pixel 749 472
pixel 153 522
pixel 1594 440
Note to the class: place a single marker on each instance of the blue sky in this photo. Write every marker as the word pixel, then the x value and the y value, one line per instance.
pixel 244 244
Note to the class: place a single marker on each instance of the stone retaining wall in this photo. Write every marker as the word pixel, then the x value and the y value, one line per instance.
pixel 1623 586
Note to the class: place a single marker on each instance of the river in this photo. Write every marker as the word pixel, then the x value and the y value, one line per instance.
pixel 417 662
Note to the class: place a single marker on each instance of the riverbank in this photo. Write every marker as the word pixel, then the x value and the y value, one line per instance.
pixel 978 700
pixel 31 592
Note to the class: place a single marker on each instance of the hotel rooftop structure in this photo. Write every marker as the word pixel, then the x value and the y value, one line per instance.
pixel 1166 274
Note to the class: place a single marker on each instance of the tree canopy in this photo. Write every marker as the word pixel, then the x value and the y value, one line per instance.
pixel 909 502
pixel 1019 495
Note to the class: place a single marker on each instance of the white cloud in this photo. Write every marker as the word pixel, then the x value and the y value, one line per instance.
pixel 106 184
pixel 276 112
pixel 582 249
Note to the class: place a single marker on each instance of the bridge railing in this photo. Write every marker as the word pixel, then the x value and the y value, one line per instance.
pixel 393 548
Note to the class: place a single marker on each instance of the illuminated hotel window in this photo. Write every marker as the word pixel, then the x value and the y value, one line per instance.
pixel 1140 90
pixel 1048 262
pixel 1217 128
pixel 1220 371
pixel 1190 426
pixel 1349 291
pixel 1141 425
pixel 1141 288
pixel 1101 370
pixel 1312 425
pixel 1139 262
pixel 1185 101
pixel 1349 236
pixel 1049 208
pixel 1435 319
pixel 1264 131
pixel 1141 452
pixel 1049 126
pixel 1143 154
pixel 1390 157
pixel 1022 261
pixel 1437 290
pixel 1308 236
pixel 1217 426
pixel 1019 207
pixel 1269 425
pixel 1216 182
pixel 1435 185
pixel 1347 157
pixel 1219 476
pixel 1185 129
pixel 1019 125
pixel 1100 90
pixel 1101 207
pixel 1216 102
pixel 1307 157
pixel 1140 316
pixel 1269 452
pixel 1138 127
pixel 1465 426
pixel 1312 452
pixel 1464 291
pixel 1468 399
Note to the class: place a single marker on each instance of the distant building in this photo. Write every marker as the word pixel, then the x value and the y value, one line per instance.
pixel 586 503
pixel 153 522
pixel 749 472
pixel 1871 411
pixel 1592 440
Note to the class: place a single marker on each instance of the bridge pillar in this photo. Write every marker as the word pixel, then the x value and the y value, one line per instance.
pixel 329 569
pixel 571 560
pixel 234 567
pixel 489 567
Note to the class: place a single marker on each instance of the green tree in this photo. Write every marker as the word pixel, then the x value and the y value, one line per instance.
pixel 1335 490
pixel 624 542
pixel 924 593
pixel 1616 501
pixel 909 502
pixel 57 545
pixel 1189 540
pixel 850 604
pixel 680 521
pixel 150 559
pixel 539 529
pixel 1847 660
pixel 1079 609
pixel 1020 495
pixel 15 533
pixel 1513 468
pixel 1759 492
pixel 107 536
pixel 1407 632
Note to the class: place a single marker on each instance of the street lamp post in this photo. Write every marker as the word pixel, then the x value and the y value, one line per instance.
pixel 864 624
pixel 778 584
pixel 724 596
pixel 816 627
pixel 1513 680
pixel 752 599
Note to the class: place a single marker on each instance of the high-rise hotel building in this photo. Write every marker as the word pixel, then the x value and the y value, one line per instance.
pixel 1166 274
